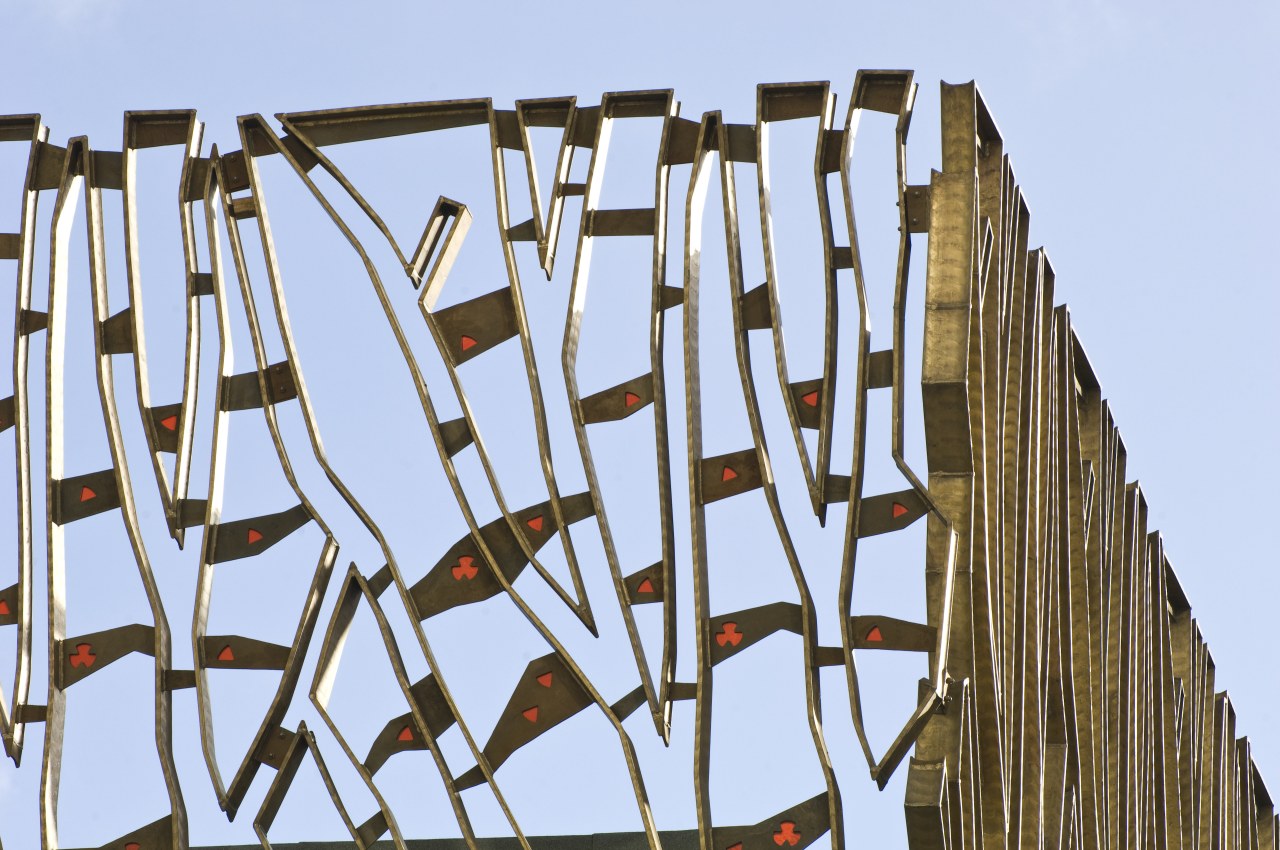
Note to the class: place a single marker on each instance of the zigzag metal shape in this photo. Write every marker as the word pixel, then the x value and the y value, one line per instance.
pixel 1065 696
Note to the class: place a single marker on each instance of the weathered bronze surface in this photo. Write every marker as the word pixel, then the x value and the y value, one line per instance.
pixel 1066 697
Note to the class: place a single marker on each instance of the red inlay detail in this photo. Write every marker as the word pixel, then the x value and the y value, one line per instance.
pixel 545 680
pixel 535 523
pixel 810 399
pixel 170 423
pixel 787 834
pixel 630 399
pixel 729 634
pixel 737 846
pixel 899 509
pixel 645 586
pixel 226 654
pixel 254 536
pixel 83 655
pixel 531 714
pixel 728 474
pixel 86 494
pixel 468 342
pixel 406 734
pixel 466 568
pixel 4 608
pixel 874 635
pixel 133 845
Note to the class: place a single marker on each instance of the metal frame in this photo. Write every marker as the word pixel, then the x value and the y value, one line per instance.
pixel 1070 698
pixel 17 597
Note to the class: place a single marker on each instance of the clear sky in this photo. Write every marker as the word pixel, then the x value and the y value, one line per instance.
pixel 1143 135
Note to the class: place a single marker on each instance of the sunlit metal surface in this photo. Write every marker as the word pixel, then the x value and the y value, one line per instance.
pixel 1065 695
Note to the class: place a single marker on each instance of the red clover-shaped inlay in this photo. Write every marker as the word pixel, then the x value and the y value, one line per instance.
pixel 729 634
pixel 466 568
pixel 83 655
pixel 787 834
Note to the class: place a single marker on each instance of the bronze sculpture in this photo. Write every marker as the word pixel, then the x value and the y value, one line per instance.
pixel 1066 699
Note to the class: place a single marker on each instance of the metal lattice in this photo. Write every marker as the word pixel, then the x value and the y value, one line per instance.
pixel 1066 698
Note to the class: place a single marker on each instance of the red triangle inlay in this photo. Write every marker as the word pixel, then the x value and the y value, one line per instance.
pixel 406 734
pixel 874 635
pixel 810 399
pixel 170 423
pixel 645 586
pixel 899 509
pixel 133 845
pixel 737 846
pixel 87 494
pixel 468 342
pixel 535 523
pixel 254 536
pixel 4 608
pixel 728 474
pixel 545 680
pixel 226 654
pixel 630 399
pixel 531 714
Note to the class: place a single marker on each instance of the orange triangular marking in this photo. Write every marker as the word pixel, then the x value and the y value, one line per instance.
pixel 899 510
pixel 254 536
pixel 630 399
pixel 737 846
pixel 874 635
pixel 645 586
pixel 170 423
pixel 468 342
pixel 531 714
pixel 535 523
pixel 133 845
pixel 406 734
pixel 226 654
pixel 810 399
pixel 4 608
pixel 545 680
pixel 86 494
pixel 728 474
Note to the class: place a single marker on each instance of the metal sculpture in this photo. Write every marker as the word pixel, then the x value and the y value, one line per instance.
pixel 1067 697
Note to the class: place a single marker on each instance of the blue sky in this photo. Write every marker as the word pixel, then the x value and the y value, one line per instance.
pixel 1143 136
